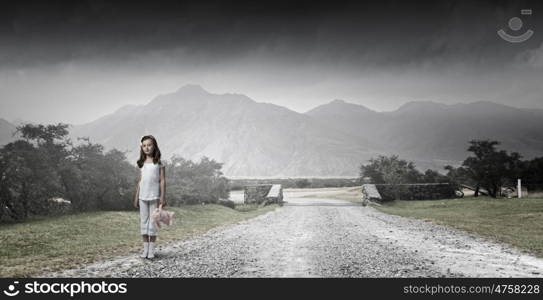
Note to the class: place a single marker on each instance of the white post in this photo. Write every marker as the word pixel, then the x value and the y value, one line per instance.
pixel 519 190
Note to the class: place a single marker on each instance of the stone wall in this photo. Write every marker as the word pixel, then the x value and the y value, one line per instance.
pixel 263 194
pixel 370 193
pixel 275 195
pixel 256 193
pixel 421 191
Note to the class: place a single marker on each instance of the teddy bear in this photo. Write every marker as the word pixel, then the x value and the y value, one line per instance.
pixel 162 216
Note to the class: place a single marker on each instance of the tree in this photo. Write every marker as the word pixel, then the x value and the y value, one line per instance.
pixel 97 181
pixel 458 176
pixel 42 134
pixel 190 182
pixel 490 168
pixel 431 176
pixel 44 164
pixel 390 170
pixel 28 170
pixel 532 171
pixel 28 180
pixel 52 139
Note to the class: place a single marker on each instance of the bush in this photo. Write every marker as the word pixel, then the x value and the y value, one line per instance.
pixel 228 203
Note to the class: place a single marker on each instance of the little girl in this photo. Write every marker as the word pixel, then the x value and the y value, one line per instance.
pixel 150 191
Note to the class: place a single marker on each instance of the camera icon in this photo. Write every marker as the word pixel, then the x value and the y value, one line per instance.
pixel 515 24
pixel 11 290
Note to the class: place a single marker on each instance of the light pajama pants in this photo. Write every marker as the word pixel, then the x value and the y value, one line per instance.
pixel 146 224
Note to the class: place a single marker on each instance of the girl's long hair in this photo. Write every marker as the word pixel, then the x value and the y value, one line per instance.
pixel 155 154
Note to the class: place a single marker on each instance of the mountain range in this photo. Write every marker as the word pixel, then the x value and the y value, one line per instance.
pixel 254 139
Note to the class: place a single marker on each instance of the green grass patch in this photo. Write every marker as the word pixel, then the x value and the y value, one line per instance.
pixel 57 243
pixel 517 222
pixel 246 207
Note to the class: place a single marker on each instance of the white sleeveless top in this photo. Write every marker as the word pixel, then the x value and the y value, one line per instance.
pixel 150 181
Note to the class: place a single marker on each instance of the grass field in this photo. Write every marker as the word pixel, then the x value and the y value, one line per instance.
pixel 517 222
pixel 56 243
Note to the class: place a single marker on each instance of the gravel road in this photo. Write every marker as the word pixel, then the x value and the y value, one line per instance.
pixel 315 237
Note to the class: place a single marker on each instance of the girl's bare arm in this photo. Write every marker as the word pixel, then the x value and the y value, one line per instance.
pixel 136 202
pixel 163 186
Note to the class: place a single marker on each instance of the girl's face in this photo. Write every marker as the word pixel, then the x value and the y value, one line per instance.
pixel 147 147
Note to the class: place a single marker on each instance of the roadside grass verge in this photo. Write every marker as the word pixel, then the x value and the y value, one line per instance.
pixel 247 207
pixel 63 242
pixel 517 222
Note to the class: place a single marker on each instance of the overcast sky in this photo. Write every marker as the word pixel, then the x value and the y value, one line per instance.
pixel 74 61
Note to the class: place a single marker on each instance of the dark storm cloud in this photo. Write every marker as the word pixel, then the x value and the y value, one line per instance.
pixel 92 57
pixel 64 30
pixel 379 33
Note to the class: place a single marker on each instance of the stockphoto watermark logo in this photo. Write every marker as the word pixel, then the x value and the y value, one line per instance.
pixel 515 24
pixel 67 288
pixel 12 289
